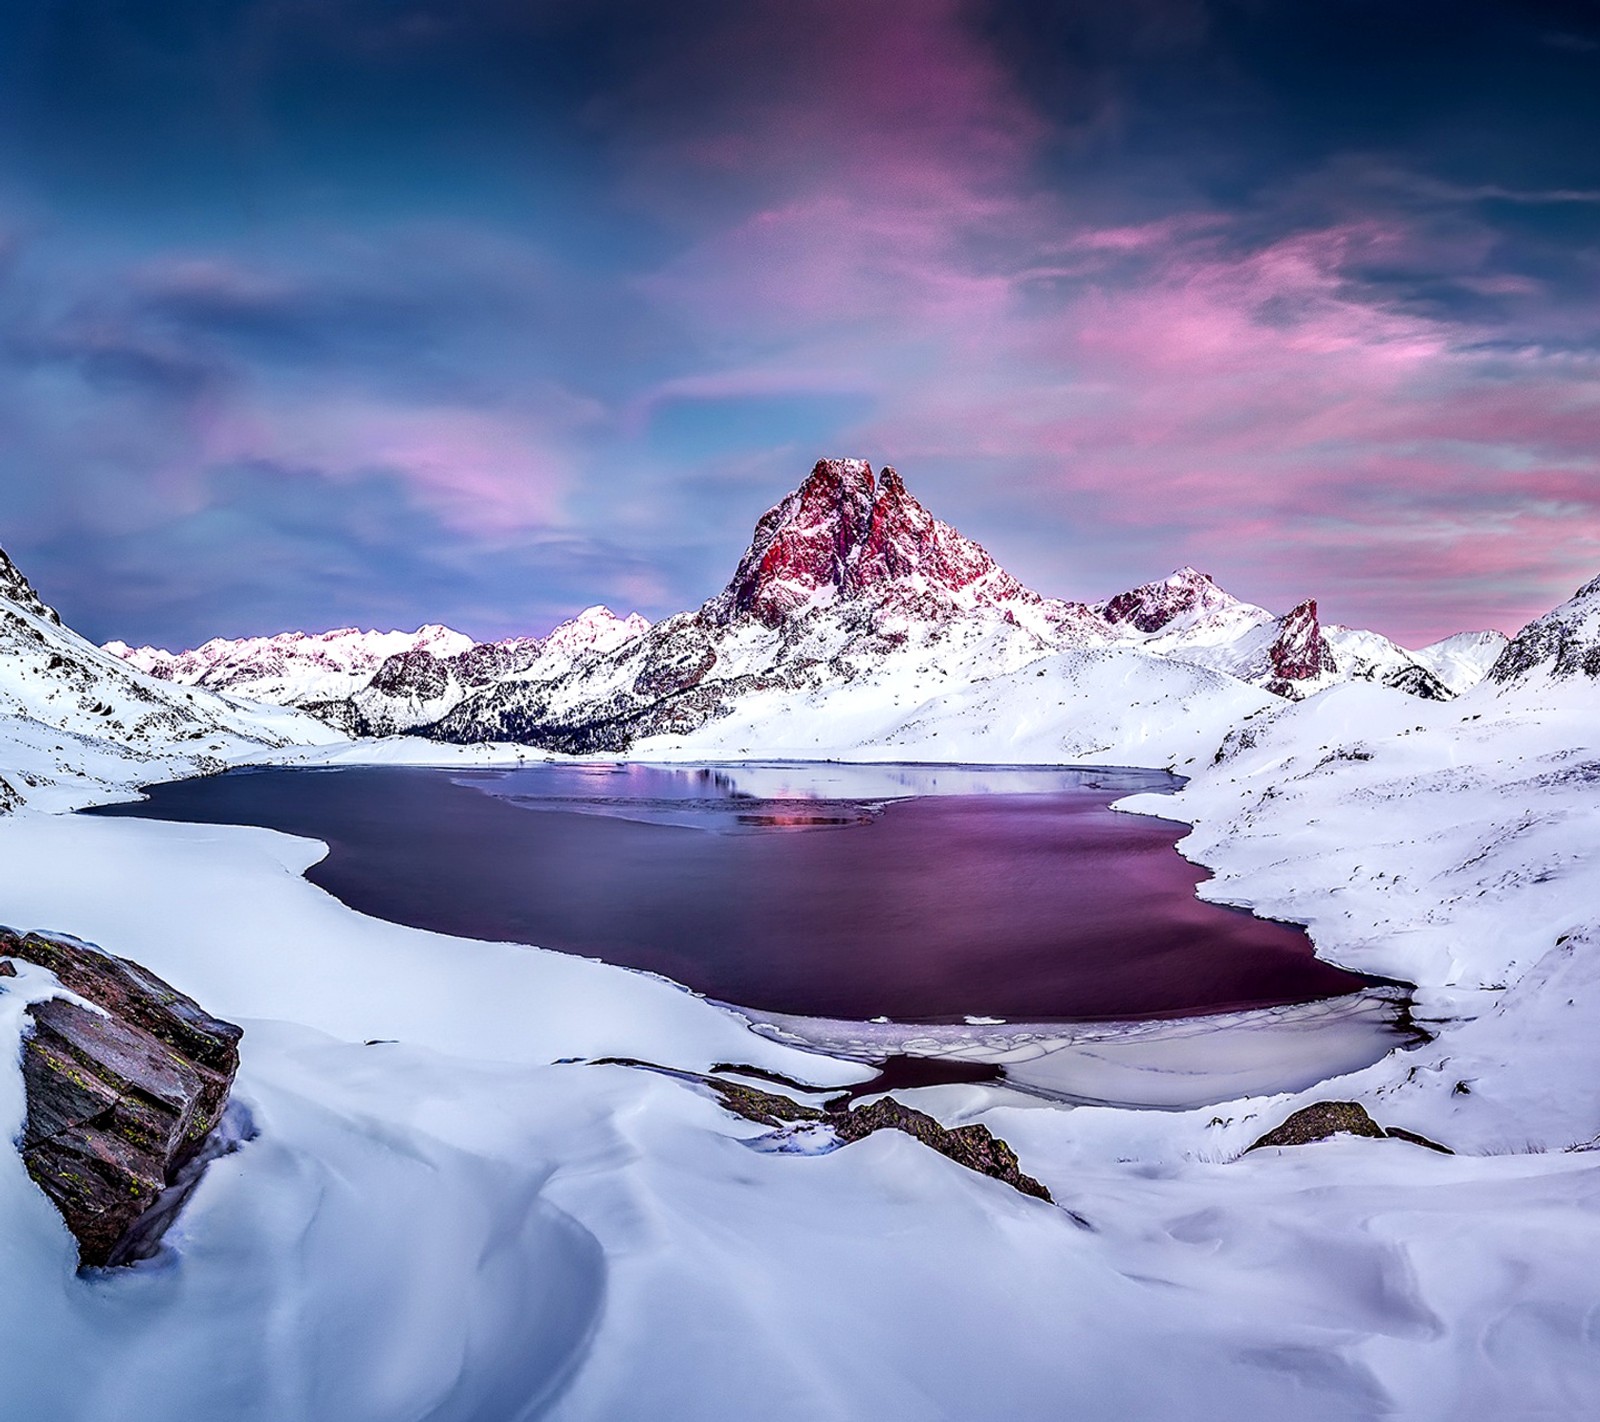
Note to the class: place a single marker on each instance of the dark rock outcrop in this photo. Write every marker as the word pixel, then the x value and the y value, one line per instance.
pixel 120 1100
pixel 415 673
pixel 972 1146
pixel 1563 643
pixel 1418 682
pixel 1152 606
pixel 1323 1119
pixel 16 588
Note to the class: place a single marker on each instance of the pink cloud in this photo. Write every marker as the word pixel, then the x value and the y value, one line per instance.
pixel 1301 425
pixel 484 472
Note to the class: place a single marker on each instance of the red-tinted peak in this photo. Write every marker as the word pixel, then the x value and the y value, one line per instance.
pixel 890 485
pixel 843 535
pixel 1300 653
pixel 805 543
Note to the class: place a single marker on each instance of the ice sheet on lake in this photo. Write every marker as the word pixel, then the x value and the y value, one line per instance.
pixel 1175 1064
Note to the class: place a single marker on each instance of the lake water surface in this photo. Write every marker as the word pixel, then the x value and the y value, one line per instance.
pixel 922 894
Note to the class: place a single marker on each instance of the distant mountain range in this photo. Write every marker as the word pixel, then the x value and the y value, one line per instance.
pixel 75 720
pixel 847 580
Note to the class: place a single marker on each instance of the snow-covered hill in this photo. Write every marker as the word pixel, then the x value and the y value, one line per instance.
pixel 1463 660
pixel 76 721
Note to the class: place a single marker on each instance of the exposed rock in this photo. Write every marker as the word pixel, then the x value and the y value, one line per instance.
pixel 1153 606
pixel 803 546
pixel 415 673
pixel 972 1146
pixel 1563 643
pixel 1299 654
pixel 1323 1119
pixel 119 1099
pixel 766 1108
pixel 16 588
pixel 1418 682
pixel 1400 1133
pixel 1319 1121
pixel 844 536
pixel 487 662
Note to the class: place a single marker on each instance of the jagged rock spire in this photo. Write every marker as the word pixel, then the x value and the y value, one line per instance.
pixel 1300 654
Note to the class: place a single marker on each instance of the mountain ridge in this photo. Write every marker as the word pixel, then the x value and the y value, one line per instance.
pixel 845 579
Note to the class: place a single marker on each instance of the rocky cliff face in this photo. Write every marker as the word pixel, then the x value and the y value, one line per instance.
pixel 844 536
pixel 16 588
pixel 1186 596
pixel 1299 655
pixel 120 1099
pixel 1562 645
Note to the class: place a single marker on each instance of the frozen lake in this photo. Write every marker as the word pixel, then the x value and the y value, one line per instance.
pixel 921 894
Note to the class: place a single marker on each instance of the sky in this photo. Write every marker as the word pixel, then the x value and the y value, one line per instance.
pixel 376 312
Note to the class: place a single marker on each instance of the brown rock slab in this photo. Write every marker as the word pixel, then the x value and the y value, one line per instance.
pixel 121 1094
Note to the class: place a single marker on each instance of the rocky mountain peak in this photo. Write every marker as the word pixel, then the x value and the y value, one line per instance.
pixel 16 588
pixel 1152 606
pixel 1300 653
pixel 802 545
pixel 844 535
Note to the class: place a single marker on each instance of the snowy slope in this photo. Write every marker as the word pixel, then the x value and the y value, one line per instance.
pixel 75 720
pixel 1463 660
pixel 1106 706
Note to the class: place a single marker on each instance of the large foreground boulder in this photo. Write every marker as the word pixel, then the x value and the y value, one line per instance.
pixel 120 1099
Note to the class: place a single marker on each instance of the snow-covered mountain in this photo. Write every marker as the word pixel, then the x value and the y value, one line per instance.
pixel 418 687
pixel 853 605
pixel 1562 645
pixel 290 668
pixel 77 720
pixel 1463 660
pixel 1188 616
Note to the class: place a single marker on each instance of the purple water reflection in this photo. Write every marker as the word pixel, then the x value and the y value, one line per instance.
pixel 1014 894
